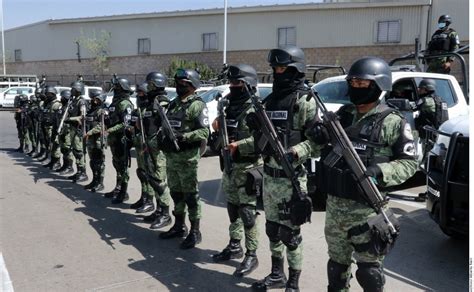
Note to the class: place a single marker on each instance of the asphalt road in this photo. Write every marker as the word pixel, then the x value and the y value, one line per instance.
pixel 54 236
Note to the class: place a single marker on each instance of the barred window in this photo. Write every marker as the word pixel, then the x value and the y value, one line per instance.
pixel 286 36
pixel 17 55
pixel 209 41
pixel 388 31
pixel 144 46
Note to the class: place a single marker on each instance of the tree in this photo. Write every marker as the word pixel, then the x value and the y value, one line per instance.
pixel 204 70
pixel 98 47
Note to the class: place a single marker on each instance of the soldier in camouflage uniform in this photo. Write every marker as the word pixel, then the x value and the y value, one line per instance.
pixel 291 114
pixel 188 116
pixel 21 118
pixel 31 124
pixel 94 141
pixel 64 136
pixel 120 114
pixel 77 112
pixel 151 160
pixel 384 142
pixel 444 40
pixel 50 124
pixel 242 198
pixel 42 154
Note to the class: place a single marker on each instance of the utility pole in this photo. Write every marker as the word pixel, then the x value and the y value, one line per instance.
pixel 225 33
pixel 3 40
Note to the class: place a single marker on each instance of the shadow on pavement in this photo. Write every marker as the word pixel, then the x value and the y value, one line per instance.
pixel 177 269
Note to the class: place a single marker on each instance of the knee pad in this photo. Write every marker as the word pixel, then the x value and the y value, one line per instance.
pixel 272 230
pixel 141 174
pixel 177 197
pixel 291 238
pixel 157 185
pixel 338 276
pixel 233 211
pixel 77 153
pixel 192 200
pixel 370 277
pixel 247 214
pixel 65 151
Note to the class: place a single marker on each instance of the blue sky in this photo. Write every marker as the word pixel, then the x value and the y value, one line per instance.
pixel 21 12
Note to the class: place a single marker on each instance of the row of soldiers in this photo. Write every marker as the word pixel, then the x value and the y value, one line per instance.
pixel 168 137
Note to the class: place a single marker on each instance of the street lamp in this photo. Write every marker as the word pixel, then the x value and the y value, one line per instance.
pixel 3 40
pixel 225 33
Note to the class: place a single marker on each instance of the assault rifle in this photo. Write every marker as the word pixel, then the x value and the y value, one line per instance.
pixel 103 138
pixel 64 117
pixel 343 148
pixel 166 127
pixel 299 208
pixel 83 125
pixel 224 137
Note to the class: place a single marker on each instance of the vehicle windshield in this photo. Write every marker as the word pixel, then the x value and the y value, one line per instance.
pixel 263 92
pixel 210 95
pixel 333 91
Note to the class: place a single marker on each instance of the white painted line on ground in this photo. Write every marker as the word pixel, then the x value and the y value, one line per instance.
pixel 4 276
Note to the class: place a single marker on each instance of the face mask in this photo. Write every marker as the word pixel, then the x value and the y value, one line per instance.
pixel 364 95
pixel 441 25
pixel 181 89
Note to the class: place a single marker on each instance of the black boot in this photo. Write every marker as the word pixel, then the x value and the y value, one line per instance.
pixel 276 279
pixel 31 152
pixel 293 280
pixel 46 155
pixel 100 183
pixel 140 201
pixel 179 229
pixel 67 168
pixel 232 251
pixel 152 217
pixel 92 184
pixel 163 218
pixel 122 195
pixel 147 206
pixel 194 237
pixel 56 165
pixel 80 175
pixel 113 192
pixel 50 163
pixel 20 149
pixel 39 154
pixel 248 265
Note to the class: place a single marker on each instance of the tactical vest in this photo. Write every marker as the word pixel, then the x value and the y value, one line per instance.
pixel 440 41
pixel 433 119
pixel 365 136
pixel 115 114
pixel 281 112
pixel 92 118
pixel 50 116
pixel 176 119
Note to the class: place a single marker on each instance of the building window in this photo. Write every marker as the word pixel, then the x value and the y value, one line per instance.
pixel 209 41
pixel 286 36
pixel 388 31
pixel 144 46
pixel 17 55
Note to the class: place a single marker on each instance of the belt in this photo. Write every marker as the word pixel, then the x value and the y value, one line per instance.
pixel 277 173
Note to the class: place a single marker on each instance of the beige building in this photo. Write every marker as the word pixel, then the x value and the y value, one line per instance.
pixel 332 32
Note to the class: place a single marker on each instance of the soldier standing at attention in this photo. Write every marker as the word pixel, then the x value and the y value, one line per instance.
pixel 120 114
pixel 384 142
pixel 444 40
pixel 95 149
pixel 291 114
pixel 77 112
pixel 50 124
pixel 241 197
pixel 188 116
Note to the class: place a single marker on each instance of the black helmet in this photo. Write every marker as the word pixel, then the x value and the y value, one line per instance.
pixel 428 84
pixel 372 68
pixel 33 98
pixel 50 89
pixel 123 83
pixel 94 93
pixel 38 92
pixel 188 75
pixel 78 86
pixel 102 97
pixel 23 98
pixel 65 96
pixel 445 19
pixel 289 56
pixel 243 72
pixel 158 79
pixel 142 87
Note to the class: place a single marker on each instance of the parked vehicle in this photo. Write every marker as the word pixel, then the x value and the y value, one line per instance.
pixel 447 197
pixel 8 96
pixel 7 81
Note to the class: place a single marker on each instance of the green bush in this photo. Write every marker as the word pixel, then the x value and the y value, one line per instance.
pixel 205 71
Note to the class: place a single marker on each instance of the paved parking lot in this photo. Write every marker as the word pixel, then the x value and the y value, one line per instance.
pixel 54 236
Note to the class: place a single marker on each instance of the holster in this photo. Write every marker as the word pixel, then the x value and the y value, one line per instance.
pixel 254 181
pixel 382 238
pixel 301 210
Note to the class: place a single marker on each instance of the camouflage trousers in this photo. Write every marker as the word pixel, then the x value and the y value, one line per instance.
pixel 436 66
pixel 72 146
pixel 65 144
pixel 52 143
pixel 154 163
pixel 275 192
pixel 181 169
pixel 120 149
pixel 342 215
pixel 234 187
pixel 96 157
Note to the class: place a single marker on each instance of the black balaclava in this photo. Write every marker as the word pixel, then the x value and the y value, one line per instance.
pixel 119 93
pixel 288 81
pixel 364 95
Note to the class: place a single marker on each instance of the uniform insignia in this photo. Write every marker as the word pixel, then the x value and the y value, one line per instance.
pixel 359 146
pixel 407 132
pixel 129 110
pixel 111 109
pixel 232 123
pixel 277 115
pixel 147 114
pixel 175 123
pixel 409 149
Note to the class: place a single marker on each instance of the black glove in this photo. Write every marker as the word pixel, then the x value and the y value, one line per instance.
pixel 179 136
pixel 374 172
pixel 291 156
pixel 252 121
pixel 319 134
